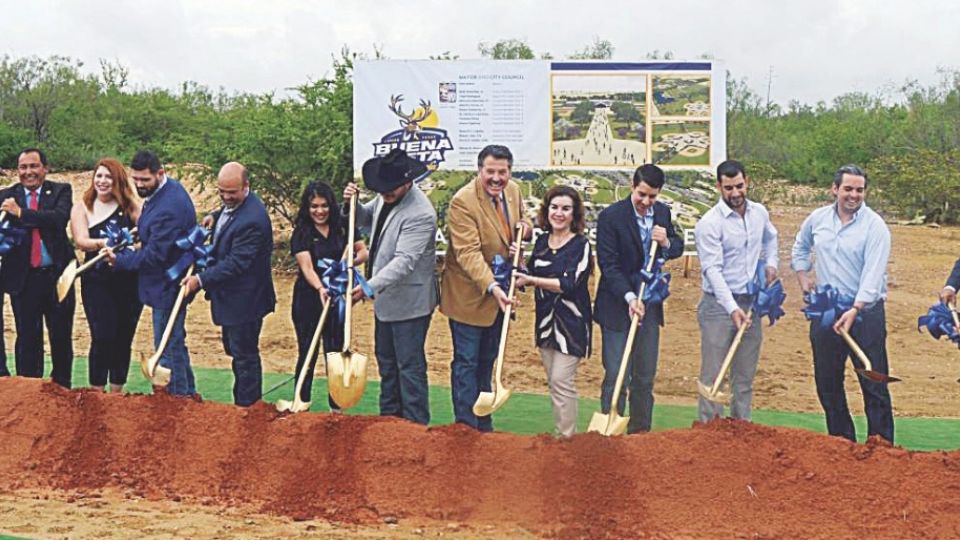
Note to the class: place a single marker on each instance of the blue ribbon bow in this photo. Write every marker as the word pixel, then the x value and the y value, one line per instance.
pixel 10 237
pixel 939 322
pixel 826 304
pixel 195 252
pixel 658 282
pixel 502 270
pixel 116 235
pixel 334 279
pixel 767 300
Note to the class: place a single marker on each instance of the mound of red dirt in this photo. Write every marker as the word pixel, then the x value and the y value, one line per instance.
pixel 725 479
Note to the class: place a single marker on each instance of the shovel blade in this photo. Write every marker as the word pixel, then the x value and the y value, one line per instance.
pixel 488 402
pixel 346 377
pixel 153 371
pixel 608 424
pixel 65 281
pixel 706 392
pixel 295 406
pixel 876 376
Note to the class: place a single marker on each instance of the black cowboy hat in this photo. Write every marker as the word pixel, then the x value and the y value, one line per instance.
pixel 383 174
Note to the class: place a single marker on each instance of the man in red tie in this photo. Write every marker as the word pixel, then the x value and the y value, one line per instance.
pixel 29 271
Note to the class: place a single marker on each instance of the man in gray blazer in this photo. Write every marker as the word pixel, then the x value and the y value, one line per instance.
pixel 402 225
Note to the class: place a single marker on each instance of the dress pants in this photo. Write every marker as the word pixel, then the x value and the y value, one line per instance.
pixel 640 373
pixel 716 334
pixel 830 353
pixel 402 363
pixel 561 377
pixel 35 304
pixel 113 310
pixel 4 371
pixel 305 311
pixel 242 343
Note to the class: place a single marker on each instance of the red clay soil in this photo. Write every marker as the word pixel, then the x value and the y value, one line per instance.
pixel 726 479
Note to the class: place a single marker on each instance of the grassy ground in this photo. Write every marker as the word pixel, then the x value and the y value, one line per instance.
pixel 531 413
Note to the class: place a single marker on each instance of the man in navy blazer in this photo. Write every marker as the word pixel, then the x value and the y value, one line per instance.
pixel 168 215
pixel 625 231
pixel 239 283
pixel 30 270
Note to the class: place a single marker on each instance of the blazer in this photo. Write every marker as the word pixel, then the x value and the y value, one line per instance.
pixel 403 276
pixel 239 283
pixel 620 255
pixel 51 217
pixel 167 216
pixel 475 237
pixel 954 279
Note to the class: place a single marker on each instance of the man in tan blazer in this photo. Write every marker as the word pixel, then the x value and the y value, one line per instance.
pixel 481 220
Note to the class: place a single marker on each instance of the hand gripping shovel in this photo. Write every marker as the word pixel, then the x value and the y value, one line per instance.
pixel 70 273
pixel 487 402
pixel 347 370
pixel 150 367
pixel 613 423
pixel 713 393
pixel 867 370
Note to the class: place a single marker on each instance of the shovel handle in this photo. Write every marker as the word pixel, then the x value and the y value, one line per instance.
pixel 631 334
pixel 953 311
pixel 867 365
pixel 348 312
pixel 120 245
pixel 727 360
pixel 302 376
pixel 173 317
pixel 505 329
pixel 3 215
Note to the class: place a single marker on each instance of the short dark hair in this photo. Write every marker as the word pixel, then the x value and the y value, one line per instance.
pixel 39 152
pixel 649 174
pixel 730 169
pixel 496 151
pixel 578 223
pixel 854 170
pixel 145 159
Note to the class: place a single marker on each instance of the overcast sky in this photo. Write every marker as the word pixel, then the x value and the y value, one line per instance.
pixel 817 49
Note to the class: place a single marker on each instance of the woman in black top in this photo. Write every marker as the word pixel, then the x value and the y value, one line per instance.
pixel 319 234
pixel 110 298
pixel 560 267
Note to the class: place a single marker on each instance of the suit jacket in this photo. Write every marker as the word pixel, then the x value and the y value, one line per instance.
pixel 167 216
pixel 954 279
pixel 239 283
pixel 620 254
pixel 475 237
pixel 403 278
pixel 51 217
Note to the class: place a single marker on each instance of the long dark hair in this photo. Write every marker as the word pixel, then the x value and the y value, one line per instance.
pixel 318 188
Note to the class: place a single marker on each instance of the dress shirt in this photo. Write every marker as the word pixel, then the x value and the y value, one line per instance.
pixel 852 257
pixel 730 246
pixel 645 226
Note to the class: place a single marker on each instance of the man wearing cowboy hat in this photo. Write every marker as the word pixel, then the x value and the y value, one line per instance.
pixel 482 218
pixel 402 225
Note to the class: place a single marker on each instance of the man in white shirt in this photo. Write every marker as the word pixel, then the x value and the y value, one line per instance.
pixel 732 238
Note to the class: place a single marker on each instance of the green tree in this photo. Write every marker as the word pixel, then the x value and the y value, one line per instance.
pixel 599 49
pixel 506 49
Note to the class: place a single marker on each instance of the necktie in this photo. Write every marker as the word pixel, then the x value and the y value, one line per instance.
pixel 36 257
pixel 499 202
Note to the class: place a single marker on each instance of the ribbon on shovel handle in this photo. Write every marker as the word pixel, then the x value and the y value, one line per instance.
pixel 195 252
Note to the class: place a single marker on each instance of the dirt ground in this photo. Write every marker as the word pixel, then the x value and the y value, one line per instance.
pixel 920 261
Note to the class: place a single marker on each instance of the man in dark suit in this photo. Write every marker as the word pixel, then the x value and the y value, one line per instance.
pixel 30 270
pixel 625 232
pixel 239 284
pixel 168 215
pixel 949 293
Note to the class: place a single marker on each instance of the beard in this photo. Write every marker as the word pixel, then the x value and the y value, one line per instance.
pixel 146 192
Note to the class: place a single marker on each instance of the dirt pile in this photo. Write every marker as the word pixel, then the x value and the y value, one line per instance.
pixel 725 479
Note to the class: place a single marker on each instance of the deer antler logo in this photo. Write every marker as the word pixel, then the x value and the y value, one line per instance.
pixel 410 122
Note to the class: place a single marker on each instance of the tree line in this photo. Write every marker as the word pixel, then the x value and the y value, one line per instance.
pixel 907 138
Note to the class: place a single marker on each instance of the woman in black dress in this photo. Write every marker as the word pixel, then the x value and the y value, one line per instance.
pixel 110 298
pixel 320 233
pixel 560 267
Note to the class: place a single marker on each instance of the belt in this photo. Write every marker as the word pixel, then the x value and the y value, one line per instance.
pixel 42 269
pixel 744 297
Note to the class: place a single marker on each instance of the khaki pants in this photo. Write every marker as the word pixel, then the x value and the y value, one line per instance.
pixel 561 376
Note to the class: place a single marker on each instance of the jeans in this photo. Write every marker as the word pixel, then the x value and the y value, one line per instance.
pixel 402 363
pixel 830 354
pixel 175 356
pixel 640 373
pixel 242 343
pixel 474 351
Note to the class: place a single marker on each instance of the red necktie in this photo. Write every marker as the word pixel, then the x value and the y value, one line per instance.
pixel 36 257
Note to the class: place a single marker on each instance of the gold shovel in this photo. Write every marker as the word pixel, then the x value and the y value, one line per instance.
pixel 150 367
pixel 612 423
pixel 713 393
pixel 347 370
pixel 70 273
pixel 487 402
pixel 867 370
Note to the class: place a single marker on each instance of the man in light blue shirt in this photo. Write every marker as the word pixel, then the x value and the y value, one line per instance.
pixel 852 246
pixel 732 237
